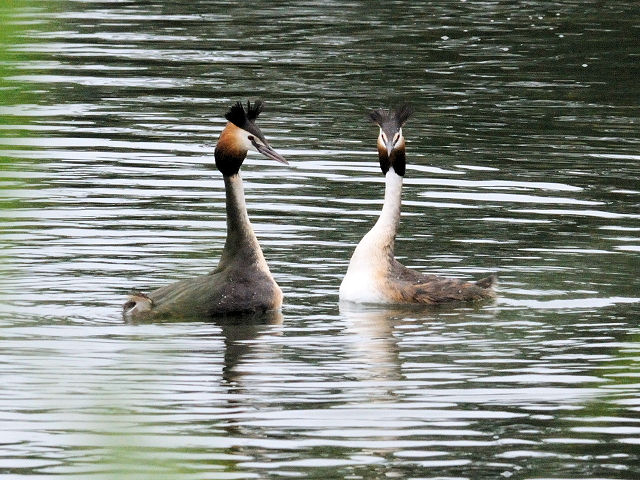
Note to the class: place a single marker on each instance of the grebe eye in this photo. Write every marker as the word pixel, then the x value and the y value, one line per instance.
pixel 384 137
pixel 396 137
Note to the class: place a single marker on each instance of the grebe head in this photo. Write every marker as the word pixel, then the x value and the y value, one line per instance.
pixel 241 135
pixel 391 145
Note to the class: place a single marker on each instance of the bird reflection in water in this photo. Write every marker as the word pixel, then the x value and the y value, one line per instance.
pixel 374 346
pixel 238 333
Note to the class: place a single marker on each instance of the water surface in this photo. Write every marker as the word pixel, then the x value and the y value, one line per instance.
pixel 523 160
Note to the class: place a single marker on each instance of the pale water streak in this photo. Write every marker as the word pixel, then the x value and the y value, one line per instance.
pixel 523 160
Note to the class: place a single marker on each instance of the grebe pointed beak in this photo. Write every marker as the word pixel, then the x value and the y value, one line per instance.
pixel 267 151
pixel 389 146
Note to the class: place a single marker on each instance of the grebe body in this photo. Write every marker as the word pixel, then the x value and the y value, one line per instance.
pixel 242 282
pixel 374 275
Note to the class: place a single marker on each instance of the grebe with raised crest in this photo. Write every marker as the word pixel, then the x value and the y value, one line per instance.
pixel 374 275
pixel 242 282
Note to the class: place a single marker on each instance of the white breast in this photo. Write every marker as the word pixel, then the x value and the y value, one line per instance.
pixel 365 278
pixel 361 287
pixel 363 282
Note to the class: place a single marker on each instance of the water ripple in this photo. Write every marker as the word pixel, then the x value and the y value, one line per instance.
pixel 522 160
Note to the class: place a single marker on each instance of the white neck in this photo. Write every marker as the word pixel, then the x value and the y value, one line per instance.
pixel 390 215
pixel 373 257
pixel 241 243
pixel 380 240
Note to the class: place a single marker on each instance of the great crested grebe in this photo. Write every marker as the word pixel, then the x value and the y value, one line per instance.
pixel 374 275
pixel 242 281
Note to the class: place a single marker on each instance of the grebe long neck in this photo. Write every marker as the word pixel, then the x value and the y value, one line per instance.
pixel 376 247
pixel 241 240
pixel 387 224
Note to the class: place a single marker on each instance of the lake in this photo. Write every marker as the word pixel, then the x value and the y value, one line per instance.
pixel 523 159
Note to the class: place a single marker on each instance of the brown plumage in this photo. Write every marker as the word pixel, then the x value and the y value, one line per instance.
pixel 374 275
pixel 409 286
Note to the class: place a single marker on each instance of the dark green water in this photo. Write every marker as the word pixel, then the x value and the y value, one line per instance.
pixel 523 159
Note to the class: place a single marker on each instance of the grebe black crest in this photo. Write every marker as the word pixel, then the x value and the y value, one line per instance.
pixel 242 282
pixel 240 135
pixel 374 275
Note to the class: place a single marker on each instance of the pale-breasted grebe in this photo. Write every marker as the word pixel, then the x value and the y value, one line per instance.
pixel 374 275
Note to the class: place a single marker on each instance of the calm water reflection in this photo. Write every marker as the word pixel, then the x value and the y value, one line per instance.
pixel 523 160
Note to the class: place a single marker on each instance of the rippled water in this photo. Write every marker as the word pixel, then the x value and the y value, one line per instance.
pixel 523 159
